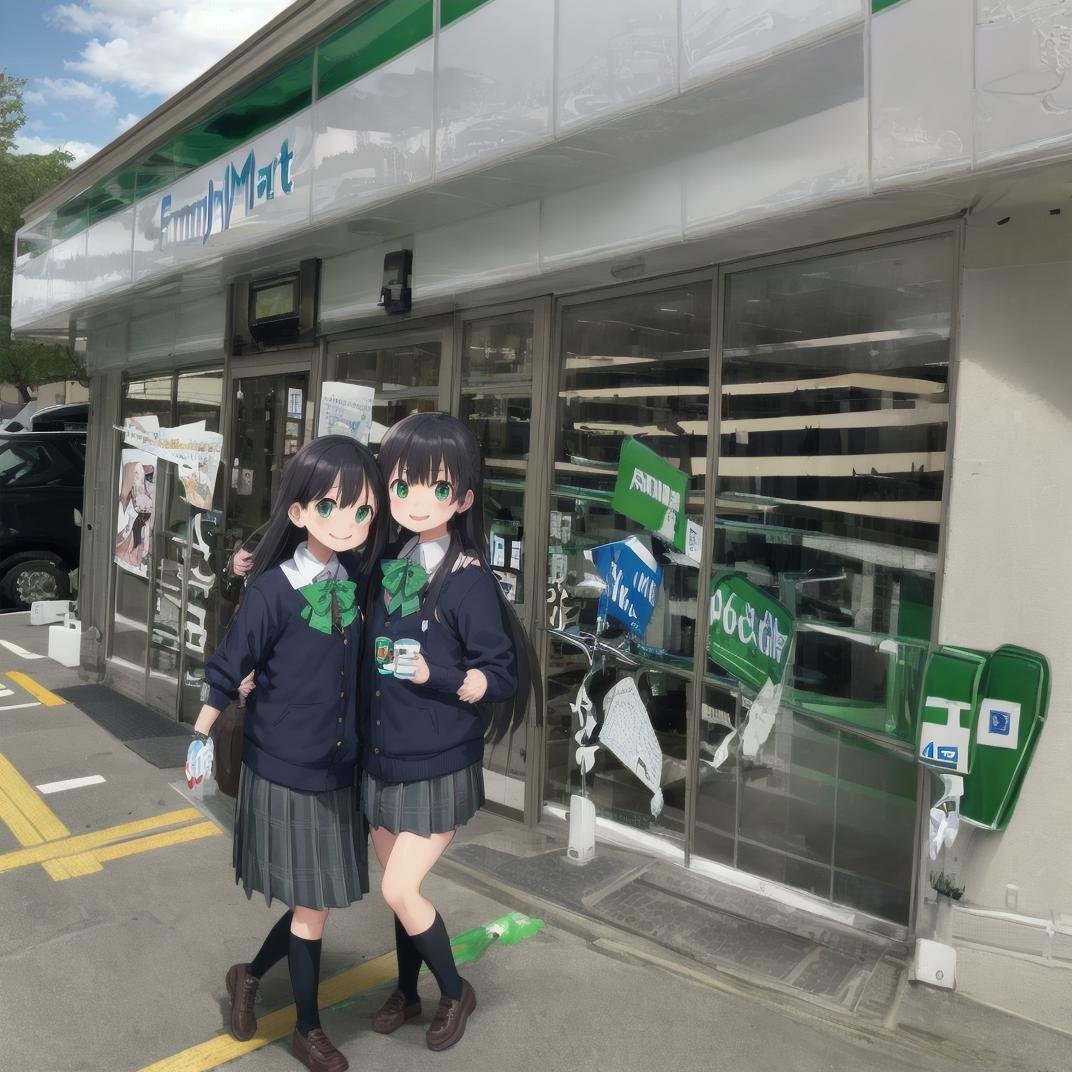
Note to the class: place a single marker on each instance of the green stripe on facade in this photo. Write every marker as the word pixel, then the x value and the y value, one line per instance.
pixel 452 10
pixel 882 5
pixel 371 41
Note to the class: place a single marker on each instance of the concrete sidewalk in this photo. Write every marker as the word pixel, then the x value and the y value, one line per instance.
pixel 122 967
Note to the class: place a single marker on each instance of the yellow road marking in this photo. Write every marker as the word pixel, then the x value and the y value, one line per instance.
pixel 39 692
pixel 25 799
pixel 71 867
pixel 279 1024
pixel 24 831
pixel 87 863
pixel 82 843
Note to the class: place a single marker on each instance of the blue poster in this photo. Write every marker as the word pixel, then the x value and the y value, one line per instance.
pixel 632 577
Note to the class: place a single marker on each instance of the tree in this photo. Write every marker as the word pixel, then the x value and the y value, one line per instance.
pixel 23 179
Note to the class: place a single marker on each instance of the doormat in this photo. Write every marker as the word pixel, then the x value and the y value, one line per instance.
pixel 158 739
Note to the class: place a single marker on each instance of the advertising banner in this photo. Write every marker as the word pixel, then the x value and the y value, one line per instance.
pixel 750 632
pixel 632 577
pixel 346 409
pixel 650 491
pixel 195 452
pixel 137 511
pixel 950 699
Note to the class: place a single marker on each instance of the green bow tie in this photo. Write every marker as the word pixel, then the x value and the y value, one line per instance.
pixel 403 581
pixel 329 602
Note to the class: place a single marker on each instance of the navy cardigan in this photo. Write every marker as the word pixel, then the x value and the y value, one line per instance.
pixel 301 719
pixel 410 732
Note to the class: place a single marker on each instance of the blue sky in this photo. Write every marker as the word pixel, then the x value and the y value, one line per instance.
pixel 96 67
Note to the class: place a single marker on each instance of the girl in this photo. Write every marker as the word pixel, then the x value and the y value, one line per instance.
pixel 422 734
pixel 299 832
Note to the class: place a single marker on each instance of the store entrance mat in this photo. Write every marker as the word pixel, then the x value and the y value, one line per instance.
pixel 158 739
pixel 715 924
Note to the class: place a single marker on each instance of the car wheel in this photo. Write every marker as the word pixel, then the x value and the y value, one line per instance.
pixel 32 580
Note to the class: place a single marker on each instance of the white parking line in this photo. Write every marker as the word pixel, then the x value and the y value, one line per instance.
pixel 70 783
pixel 22 653
pixel 18 706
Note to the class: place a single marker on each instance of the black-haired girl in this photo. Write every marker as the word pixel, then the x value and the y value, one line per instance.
pixel 422 734
pixel 299 832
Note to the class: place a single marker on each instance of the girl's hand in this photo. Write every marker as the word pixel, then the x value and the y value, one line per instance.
pixel 473 687
pixel 242 562
pixel 247 685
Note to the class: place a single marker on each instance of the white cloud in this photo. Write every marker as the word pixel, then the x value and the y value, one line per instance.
pixel 30 143
pixel 156 47
pixel 31 96
pixel 126 122
pixel 72 89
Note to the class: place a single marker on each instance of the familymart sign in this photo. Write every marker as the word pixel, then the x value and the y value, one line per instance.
pixel 242 185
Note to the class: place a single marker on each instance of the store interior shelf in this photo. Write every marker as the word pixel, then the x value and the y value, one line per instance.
pixel 899 336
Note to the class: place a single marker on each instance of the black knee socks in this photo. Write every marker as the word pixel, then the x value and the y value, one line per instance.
pixel 304 959
pixel 275 946
pixel 409 962
pixel 434 948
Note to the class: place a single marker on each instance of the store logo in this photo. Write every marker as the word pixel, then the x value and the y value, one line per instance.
pixel 655 489
pixel 241 187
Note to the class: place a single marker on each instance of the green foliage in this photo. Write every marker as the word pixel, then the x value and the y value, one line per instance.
pixel 942 884
pixel 23 179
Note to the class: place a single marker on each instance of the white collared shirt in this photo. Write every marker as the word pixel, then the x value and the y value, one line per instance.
pixel 305 568
pixel 428 553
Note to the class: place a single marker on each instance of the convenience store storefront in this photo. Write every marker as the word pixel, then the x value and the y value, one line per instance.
pixel 603 279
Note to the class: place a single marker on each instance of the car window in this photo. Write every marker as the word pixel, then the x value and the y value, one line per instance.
pixel 33 465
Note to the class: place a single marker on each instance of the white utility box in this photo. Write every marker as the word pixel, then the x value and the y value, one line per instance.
pixel 47 611
pixel 935 963
pixel 65 642
pixel 582 830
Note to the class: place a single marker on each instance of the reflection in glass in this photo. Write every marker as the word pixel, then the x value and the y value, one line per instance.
pixel 393 367
pixel 498 350
pixel 632 367
pixel 831 470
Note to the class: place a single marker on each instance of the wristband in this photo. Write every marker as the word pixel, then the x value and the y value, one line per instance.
pixel 202 737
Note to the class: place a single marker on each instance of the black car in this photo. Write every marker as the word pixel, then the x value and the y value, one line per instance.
pixel 41 484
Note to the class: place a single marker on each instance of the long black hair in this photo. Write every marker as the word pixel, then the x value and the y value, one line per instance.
pixel 420 445
pixel 309 476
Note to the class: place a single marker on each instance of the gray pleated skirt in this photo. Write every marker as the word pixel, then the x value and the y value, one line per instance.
pixel 302 848
pixel 430 806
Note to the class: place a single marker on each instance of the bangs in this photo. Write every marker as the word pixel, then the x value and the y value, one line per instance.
pixel 338 462
pixel 420 449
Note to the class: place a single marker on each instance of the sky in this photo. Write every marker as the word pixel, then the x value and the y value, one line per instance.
pixel 94 68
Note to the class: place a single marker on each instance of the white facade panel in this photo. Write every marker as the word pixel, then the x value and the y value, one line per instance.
pixel 921 89
pixel 718 35
pixel 611 217
pixel 613 55
pixel 1023 77
pixel 495 74
pixel 815 160
pixel 108 253
pixel 29 291
pixel 201 325
pixel 152 336
pixel 488 249
pixel 68 281
pixel 374 137
pixel 350 284
pixel 251 196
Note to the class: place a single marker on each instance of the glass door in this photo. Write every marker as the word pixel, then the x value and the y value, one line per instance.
pixel 634 377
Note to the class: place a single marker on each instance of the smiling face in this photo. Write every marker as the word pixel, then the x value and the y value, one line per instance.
pixel 333 525
pixel 426 508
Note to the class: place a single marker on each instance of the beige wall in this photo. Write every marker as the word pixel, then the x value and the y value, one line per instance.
pixel 1008 575
pixel 48 394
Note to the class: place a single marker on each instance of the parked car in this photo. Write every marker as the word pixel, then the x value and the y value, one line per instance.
pixel 41 485
pixel 72 417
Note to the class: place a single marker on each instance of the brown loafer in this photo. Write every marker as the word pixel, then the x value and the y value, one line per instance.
pixel 394 1012
pixel 242 990
pixel 317 1053
pixel 449 1023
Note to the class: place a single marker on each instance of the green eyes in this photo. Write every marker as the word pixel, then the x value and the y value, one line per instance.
pixel 442 491
pixel 401 489
pixel 363 514
pixel 326 507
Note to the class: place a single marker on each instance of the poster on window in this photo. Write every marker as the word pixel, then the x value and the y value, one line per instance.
pixel 194 450
pixel 346 409
pixel 137 511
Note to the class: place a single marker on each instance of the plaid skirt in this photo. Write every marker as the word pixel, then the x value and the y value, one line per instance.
pixel 430 806
pixel 302 848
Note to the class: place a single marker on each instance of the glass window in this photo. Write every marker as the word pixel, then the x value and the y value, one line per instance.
pixel 633 368
pixel 37 465
pixel 832 457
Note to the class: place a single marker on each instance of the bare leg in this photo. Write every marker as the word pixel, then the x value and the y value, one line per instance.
pixel 308 923
pixel 410 860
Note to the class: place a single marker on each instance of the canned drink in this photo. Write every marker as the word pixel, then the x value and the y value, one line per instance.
pixel 384 654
